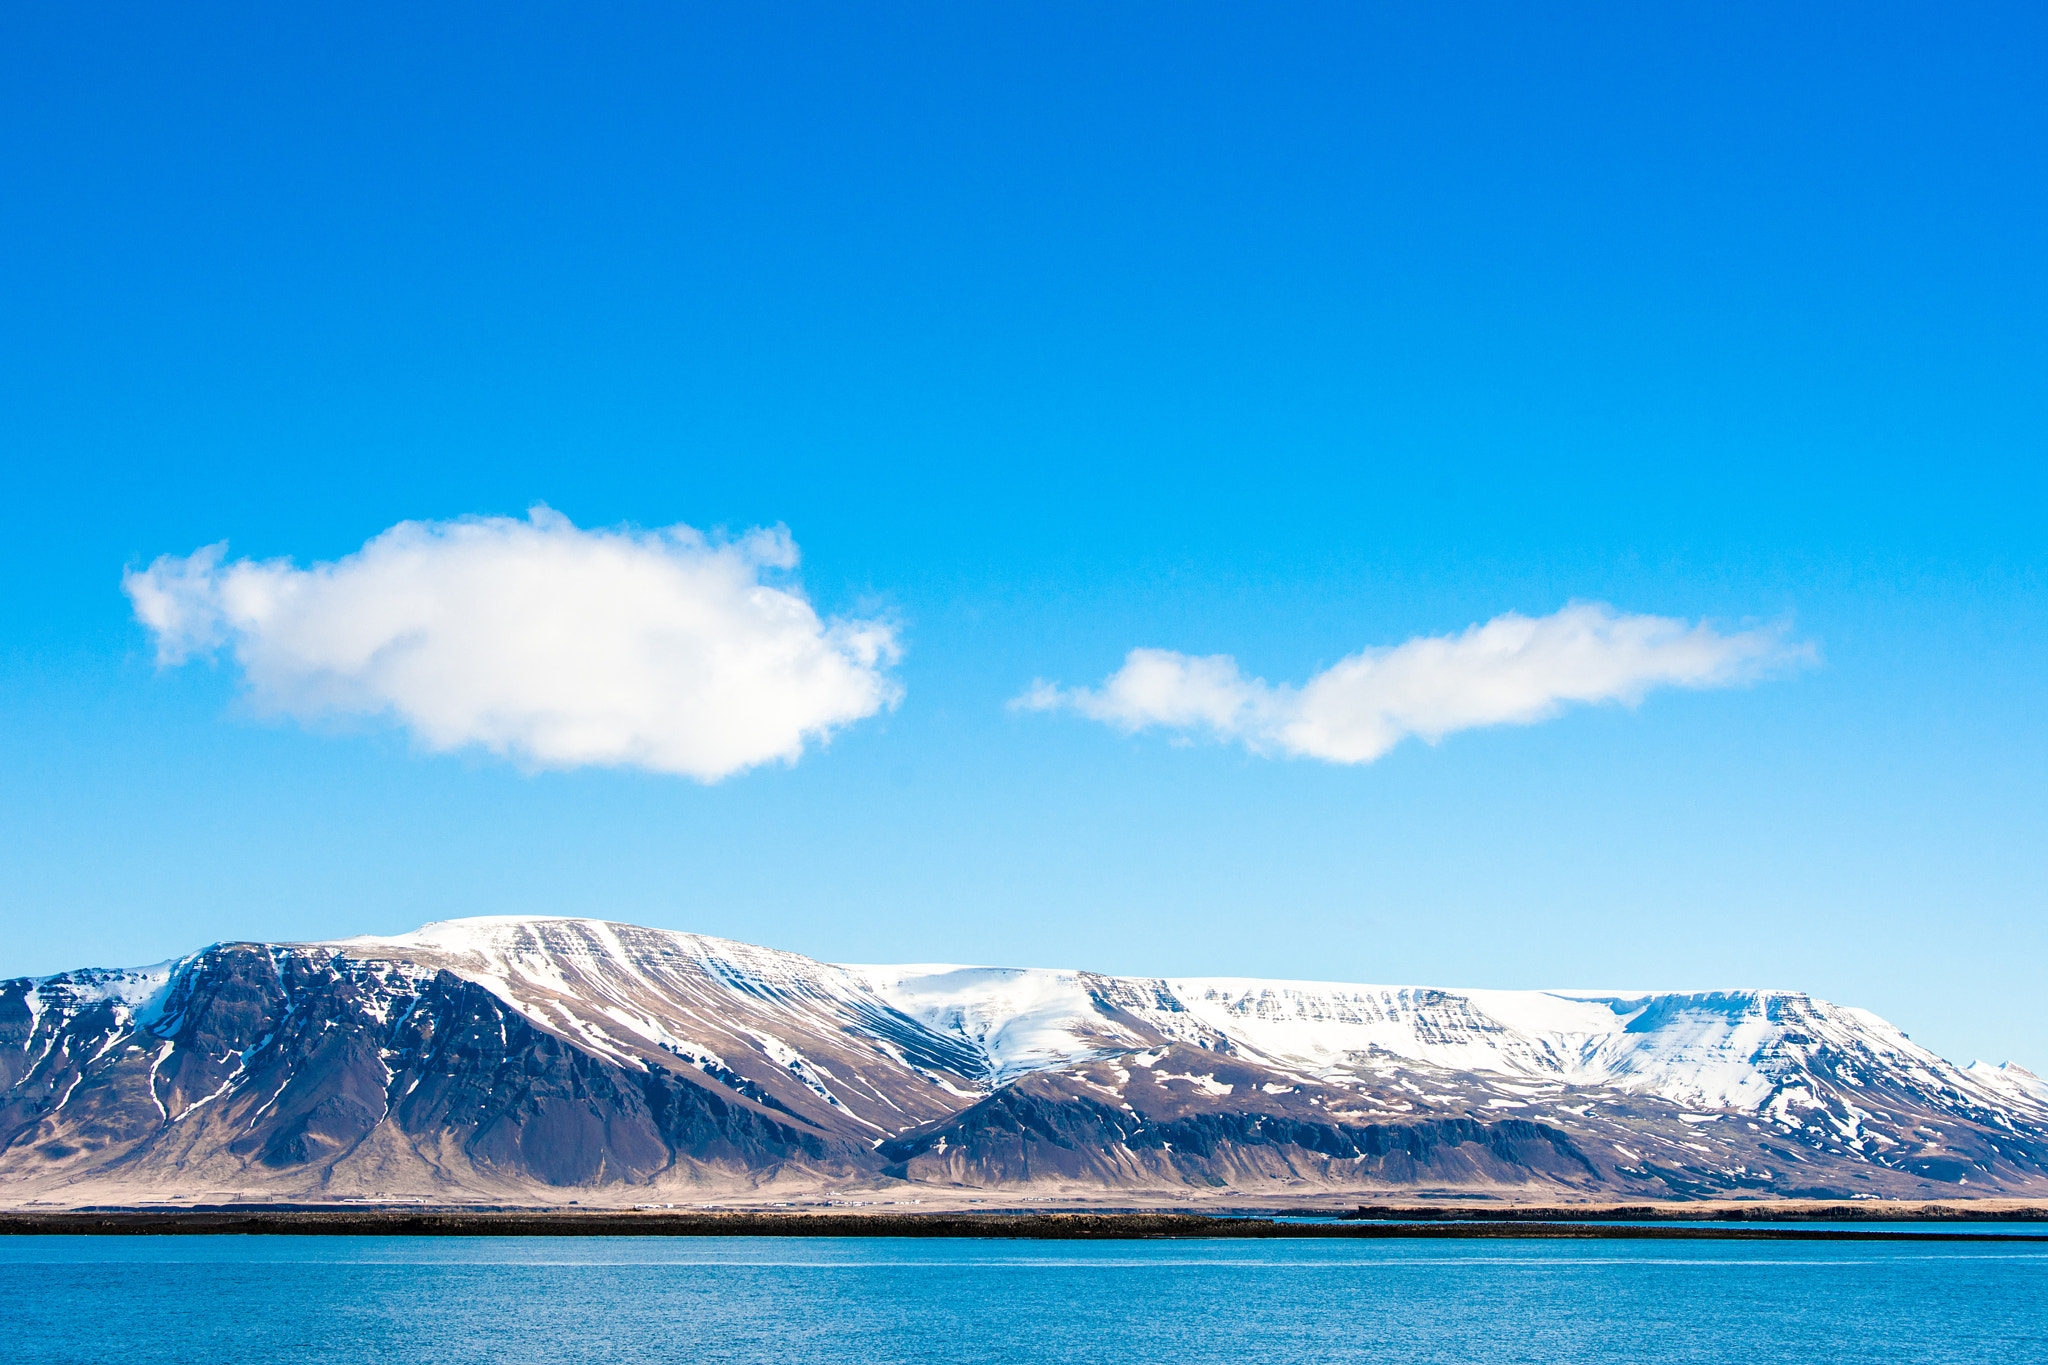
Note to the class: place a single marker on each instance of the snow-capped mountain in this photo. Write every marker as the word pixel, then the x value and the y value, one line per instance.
pixel 514 1057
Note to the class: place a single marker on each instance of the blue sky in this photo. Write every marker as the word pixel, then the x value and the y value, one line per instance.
pixel 1049 333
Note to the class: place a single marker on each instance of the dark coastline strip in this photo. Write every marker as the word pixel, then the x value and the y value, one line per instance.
pixel 1639 1213
pixel 1055 1227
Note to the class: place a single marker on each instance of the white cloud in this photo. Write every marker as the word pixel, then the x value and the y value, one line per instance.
pixel 1512 670
pixel 550 645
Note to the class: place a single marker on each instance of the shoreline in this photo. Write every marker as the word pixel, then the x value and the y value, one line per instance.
pixel 1546 1224
pixel 1803 1212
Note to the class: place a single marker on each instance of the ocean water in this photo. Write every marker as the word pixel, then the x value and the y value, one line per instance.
pixel 259 1300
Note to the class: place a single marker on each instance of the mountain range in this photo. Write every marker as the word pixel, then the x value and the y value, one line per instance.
pixel 535 1060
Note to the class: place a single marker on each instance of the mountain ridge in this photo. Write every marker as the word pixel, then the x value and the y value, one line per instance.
pixel 525 1056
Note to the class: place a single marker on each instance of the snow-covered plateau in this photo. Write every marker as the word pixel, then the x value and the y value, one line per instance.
pixel 522 1058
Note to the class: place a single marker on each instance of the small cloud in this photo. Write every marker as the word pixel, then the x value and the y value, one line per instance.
pixel 1512 670
pixel 550 645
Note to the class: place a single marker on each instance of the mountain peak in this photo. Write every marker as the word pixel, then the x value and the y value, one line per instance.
pixel 503 1055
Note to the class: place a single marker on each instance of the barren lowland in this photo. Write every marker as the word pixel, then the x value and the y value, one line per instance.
pixel 1804 1223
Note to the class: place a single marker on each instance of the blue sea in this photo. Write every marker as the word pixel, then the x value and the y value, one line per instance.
pixel 263 1299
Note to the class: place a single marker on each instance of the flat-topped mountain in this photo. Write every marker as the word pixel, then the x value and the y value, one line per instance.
pixel 525 1059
